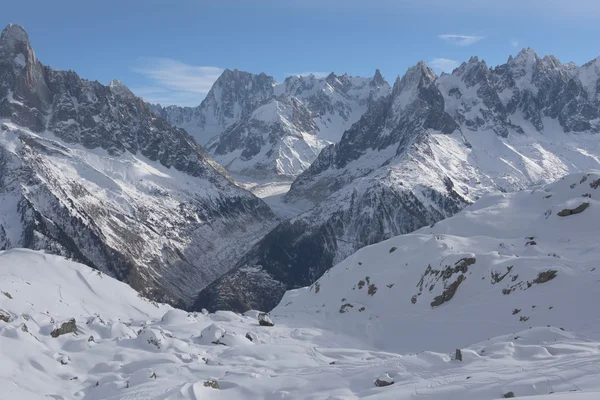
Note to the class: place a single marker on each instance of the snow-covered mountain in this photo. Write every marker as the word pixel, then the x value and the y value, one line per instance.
pixel 259 129
pixel 498 301
pixel 508 262
pixel 418 155
pixel 89 172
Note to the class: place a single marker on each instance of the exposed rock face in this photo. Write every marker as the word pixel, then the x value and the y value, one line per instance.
pixel 89 172
pixel 418 155
pixel 257 128
pixel 572 211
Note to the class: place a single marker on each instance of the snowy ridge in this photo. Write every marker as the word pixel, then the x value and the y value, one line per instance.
pixel 505 263
pixel 421 154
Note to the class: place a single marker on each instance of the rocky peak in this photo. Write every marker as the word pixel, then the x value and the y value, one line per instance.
pixel 473 72
pixel 378 79
pixel 416 77
pixel 15 46
pixel 118 88
pixel 331 78
pixel 14 39
pixel 24 77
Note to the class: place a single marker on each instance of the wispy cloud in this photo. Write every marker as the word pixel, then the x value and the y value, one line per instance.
pixel 514 43
pixel 461 40
pixel 440 65
pixel 316 74
pixel 174 82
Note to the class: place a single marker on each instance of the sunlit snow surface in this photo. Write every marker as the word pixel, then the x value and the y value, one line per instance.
pixel 143 350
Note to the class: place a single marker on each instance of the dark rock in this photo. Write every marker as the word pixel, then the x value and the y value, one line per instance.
pixel 384 380
pixel 448 293
pixel 568 211
pixel 4 316
pixel 344 308
pixel 508 395
pixel 265 320
pixel 458 355
pixel 545 276
pixel 372 289
pixel 66 327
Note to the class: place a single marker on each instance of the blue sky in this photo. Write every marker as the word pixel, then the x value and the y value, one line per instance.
pixel 171 51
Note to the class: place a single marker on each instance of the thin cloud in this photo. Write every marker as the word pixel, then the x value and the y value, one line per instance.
pixel 461 40
pixel 440 65
pixel 514 43
pixel 174 82
pixel 316 74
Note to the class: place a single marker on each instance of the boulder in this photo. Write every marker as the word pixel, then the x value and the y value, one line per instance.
pixel 66 327
pixel 265 320
pixel 384 380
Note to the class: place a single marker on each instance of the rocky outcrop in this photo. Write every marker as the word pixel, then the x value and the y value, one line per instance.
pixel 572 211
pixel 66 327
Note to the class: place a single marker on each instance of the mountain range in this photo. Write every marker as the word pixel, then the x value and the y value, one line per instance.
pixel 94 173
pixel 260 129
pixel 418 155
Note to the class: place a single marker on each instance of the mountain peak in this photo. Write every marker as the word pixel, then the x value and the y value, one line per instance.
pixel 416 75
pixel 331 78
pixel 527 53
pixel 15 41
pixel 13 34
pixel 378 78
pixel 120 89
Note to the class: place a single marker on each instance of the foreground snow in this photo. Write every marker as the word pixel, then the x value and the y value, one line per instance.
pixel 511 281
pixel 127 347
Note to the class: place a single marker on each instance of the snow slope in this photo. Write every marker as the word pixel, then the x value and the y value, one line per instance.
pixel 127 347
pixel 504 264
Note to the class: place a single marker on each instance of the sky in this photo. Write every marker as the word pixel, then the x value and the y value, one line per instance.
pixel 172 51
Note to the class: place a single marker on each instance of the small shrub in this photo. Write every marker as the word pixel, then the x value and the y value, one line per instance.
pixel 413 299
pixel 393 249
pixel 516 311
pixel 7 295
pixel 508 395
pixel 523 318
pixel 317 287
pixel 391 285
pixel 361 284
